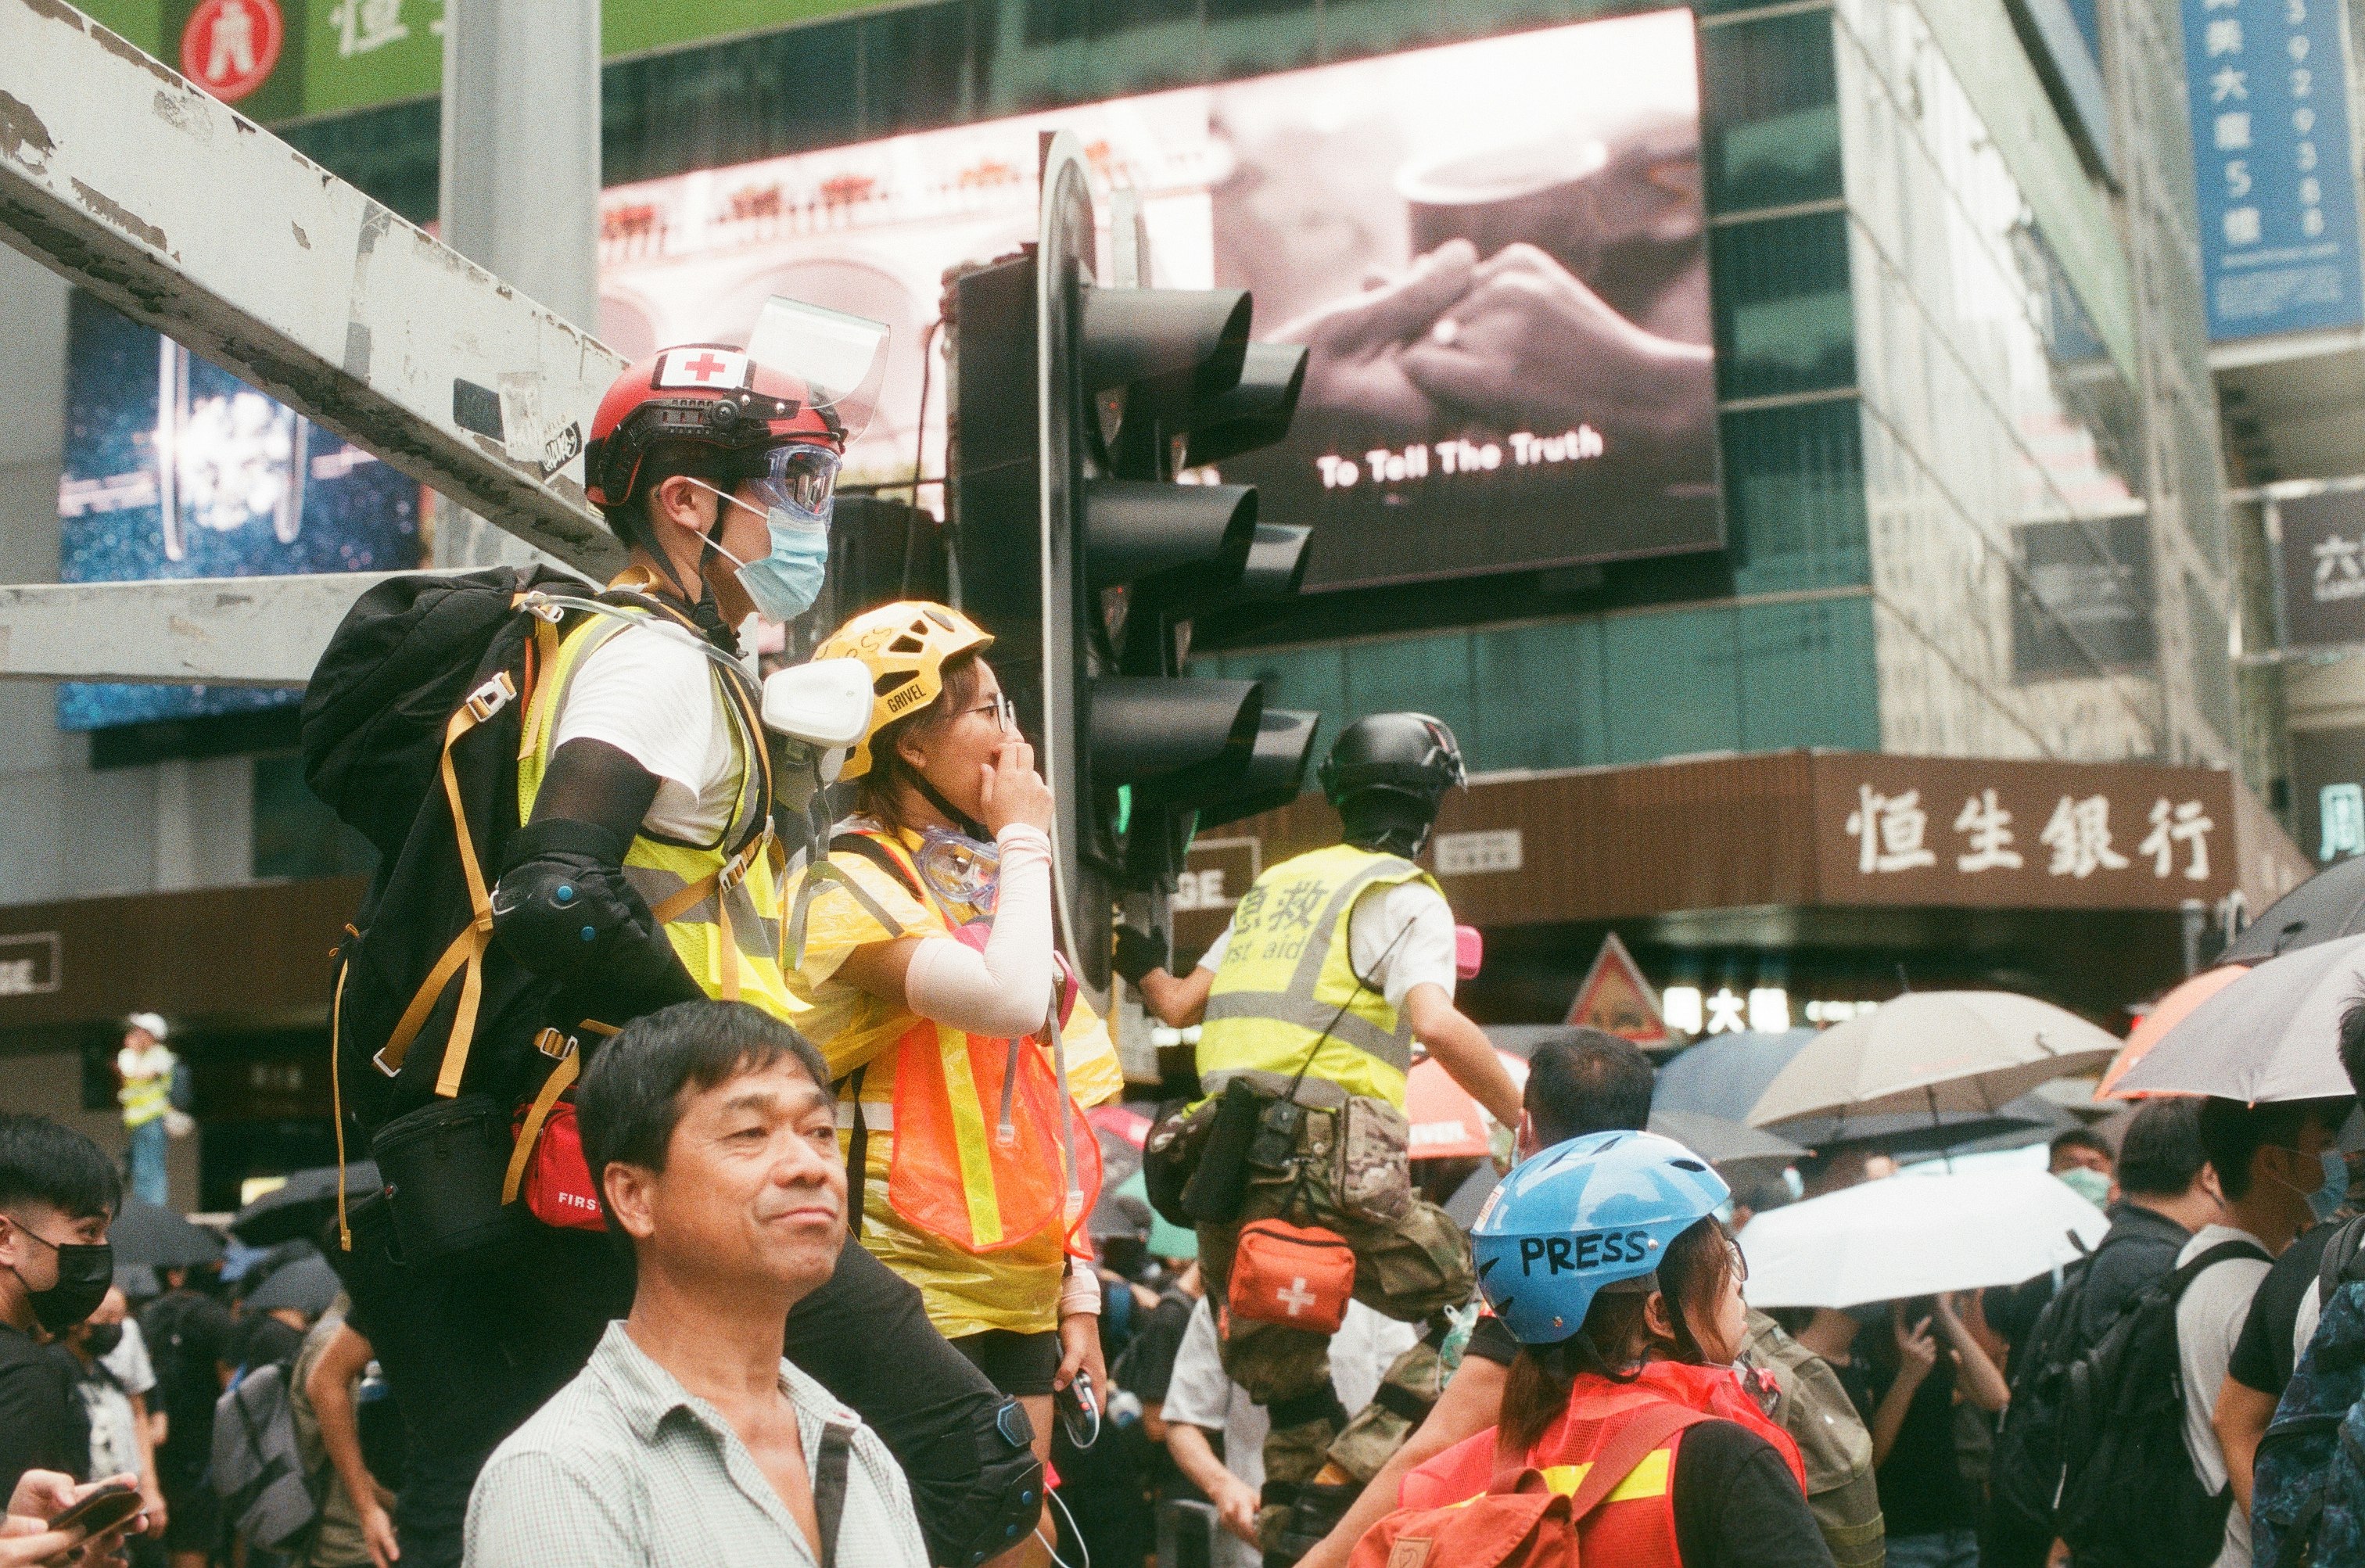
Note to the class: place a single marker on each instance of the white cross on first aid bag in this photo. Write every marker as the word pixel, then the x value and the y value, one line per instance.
pixel 1300 1275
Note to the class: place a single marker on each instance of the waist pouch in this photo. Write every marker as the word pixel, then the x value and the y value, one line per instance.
pixel 556 1184
pixel 1372 1175
pixel 1218 1181
pixel 1170 1154
pixel 442 1167
pixel 1299 1276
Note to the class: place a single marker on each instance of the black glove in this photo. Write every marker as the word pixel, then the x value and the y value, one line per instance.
pixel 1138 952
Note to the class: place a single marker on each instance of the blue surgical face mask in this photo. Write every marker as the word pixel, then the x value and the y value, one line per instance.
pixel 784 584
pixel 2335 1189
pixel 2089 1184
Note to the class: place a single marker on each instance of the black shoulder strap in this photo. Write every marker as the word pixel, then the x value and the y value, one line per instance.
pixel 2224 1253
pixel 858 1153
pixel 879 855
pixel 829 1487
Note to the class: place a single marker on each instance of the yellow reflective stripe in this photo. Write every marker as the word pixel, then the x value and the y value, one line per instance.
pixel 969 1139
pixel 1648 1479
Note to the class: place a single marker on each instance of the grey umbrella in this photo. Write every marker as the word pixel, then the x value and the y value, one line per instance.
pixel 307 1285
pixel 1739 1153
pixel 2329 906
pixel 146 1234
pixel 1724 1076
pixel 2272 1034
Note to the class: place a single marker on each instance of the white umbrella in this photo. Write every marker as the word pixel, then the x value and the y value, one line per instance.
pixel 2272 1034
pixel 1888 1239
pixel 1934 1051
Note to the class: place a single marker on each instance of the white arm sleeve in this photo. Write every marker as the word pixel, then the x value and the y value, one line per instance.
pixel 1006 989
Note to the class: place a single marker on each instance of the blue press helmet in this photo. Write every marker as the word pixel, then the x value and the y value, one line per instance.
pixel 1582 1215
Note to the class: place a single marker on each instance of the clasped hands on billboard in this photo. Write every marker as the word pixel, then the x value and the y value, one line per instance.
pixel 1495 252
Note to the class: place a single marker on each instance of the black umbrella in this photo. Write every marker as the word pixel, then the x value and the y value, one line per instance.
pixel 147 1234
pixel 2330 903
pixel 299 1208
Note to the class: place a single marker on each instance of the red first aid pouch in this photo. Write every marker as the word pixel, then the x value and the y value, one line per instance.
pixel 1296 1274
pixel 556 1184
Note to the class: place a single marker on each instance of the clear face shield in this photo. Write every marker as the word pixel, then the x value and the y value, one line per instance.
pixel 835 362
pixel 841 360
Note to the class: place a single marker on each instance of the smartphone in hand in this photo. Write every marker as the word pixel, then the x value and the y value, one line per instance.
pixel 104 1510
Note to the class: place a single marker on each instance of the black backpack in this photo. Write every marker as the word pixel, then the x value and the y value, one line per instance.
pixel 2129 1494
pixel 410 730
pixel 2025 1473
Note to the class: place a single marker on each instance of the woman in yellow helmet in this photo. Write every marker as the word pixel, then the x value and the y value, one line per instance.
pixel 927 976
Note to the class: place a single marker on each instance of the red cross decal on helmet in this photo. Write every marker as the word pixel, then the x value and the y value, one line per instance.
pixel 703 368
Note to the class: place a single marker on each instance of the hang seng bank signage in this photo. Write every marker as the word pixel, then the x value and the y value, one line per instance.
pixel 2021 835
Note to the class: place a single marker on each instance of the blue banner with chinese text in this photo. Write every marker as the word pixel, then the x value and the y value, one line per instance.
pixel 2269 87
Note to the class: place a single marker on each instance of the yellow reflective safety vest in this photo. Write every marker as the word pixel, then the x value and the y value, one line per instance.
pixel 939 1212
pixel 1287 977
pixel 718 902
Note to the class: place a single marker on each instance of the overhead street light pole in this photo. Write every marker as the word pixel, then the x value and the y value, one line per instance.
pixel 172 207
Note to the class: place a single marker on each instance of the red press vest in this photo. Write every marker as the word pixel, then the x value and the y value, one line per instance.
pixel 1636 1525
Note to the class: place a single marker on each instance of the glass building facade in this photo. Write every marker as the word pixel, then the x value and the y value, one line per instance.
pixel 1969 466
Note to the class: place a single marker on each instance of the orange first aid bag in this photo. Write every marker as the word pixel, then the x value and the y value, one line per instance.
pixel 1300 1275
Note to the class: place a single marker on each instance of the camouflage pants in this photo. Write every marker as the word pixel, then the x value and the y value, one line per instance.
pixel 1411 1269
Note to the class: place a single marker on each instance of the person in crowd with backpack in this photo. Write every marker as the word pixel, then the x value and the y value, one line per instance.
pixel 2305 1490
pixel 1605 1258
pixel 58 1195
pixel 2289 1304
pixel 353 1530
pixel 927 938
pixel 1925 1360
pixel 627 747
pixel 2166 1192
pixel 2268 1165
pixel 188 1333
pixel 689 1440
pixel 1586 1080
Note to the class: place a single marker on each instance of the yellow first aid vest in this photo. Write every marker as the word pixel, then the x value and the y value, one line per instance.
pixel 1287 980
pixel 718 902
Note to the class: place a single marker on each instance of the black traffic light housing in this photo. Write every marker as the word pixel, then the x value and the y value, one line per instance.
pixel 1077 546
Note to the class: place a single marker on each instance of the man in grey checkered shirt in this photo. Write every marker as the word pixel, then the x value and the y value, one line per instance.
pixel 689 1440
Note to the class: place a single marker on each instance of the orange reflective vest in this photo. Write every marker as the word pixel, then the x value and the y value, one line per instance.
pixel 989 1147
pixel 1636 1524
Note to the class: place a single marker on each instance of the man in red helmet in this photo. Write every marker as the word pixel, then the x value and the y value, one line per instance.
pixel 717 470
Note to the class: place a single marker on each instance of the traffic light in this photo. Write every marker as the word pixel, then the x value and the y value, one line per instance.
pixel 1079 410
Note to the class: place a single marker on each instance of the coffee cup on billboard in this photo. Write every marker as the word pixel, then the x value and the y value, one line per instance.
pixel 1544 193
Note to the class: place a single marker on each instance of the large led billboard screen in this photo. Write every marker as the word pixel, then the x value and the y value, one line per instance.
pixel 1494 250
pixel 174 468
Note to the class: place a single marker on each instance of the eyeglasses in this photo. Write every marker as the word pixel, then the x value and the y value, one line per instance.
pixel 1005 711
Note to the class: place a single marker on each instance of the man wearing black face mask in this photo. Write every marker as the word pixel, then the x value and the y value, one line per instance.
pixel 58 1194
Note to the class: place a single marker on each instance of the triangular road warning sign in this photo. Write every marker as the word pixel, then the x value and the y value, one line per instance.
pixel 1615 998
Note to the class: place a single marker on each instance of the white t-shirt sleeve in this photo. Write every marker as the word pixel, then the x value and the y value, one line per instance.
pixel 128 1361
pixel 1198 1393
pixel 649 692
pixel 1366 1345
pixel 2304 1325
pixel 1402 936
pixel 1213 958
